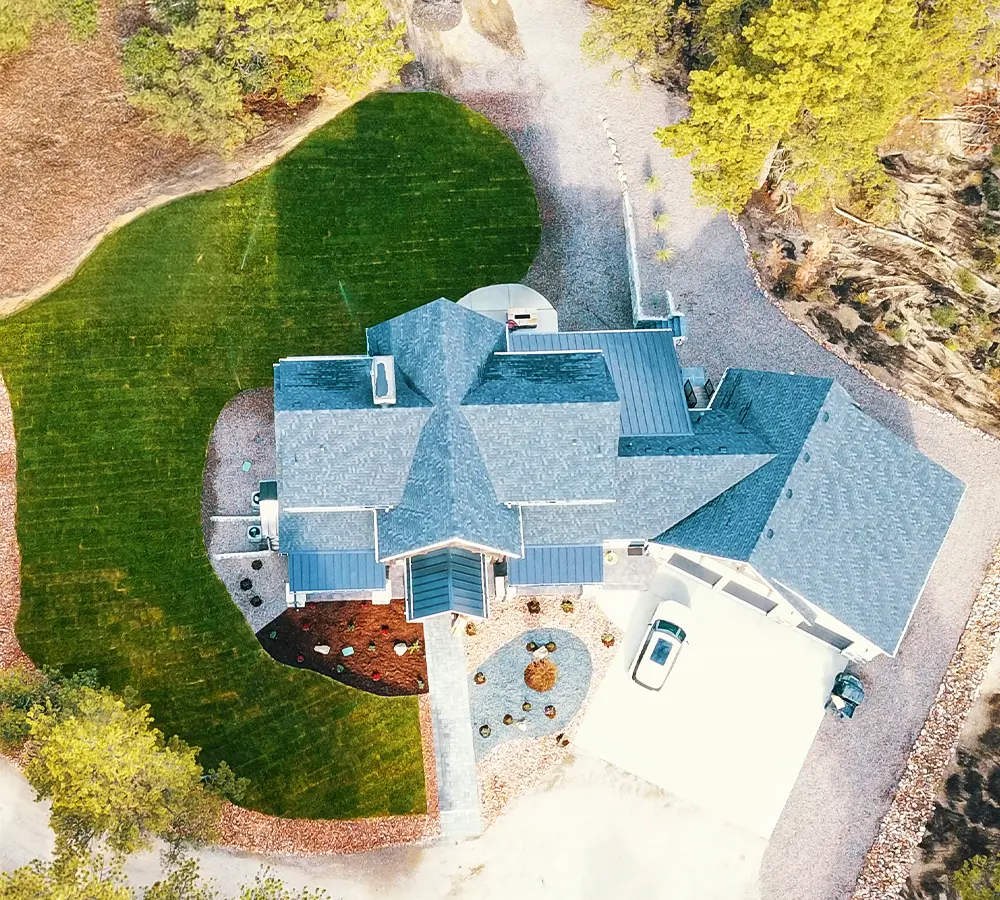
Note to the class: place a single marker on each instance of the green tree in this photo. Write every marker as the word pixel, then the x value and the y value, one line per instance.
pixel 267 887
pixel 810 89
pixel 111 776
pixel 195 71
pixel 22 689
pixel 645 35
pixel 68 878
pixel 978 879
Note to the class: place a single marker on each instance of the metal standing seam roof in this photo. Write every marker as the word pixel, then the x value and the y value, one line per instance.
pixel 447 580
pixel 341 570
pixel 565 564
pixel 643 365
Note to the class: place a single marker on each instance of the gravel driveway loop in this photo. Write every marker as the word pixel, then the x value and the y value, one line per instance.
pixel 549 102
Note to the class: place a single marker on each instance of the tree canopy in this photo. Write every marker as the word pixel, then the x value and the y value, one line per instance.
pixel 199 67
pixel 112 778
pixel 813 87
pixel 646 35
pixel 978 879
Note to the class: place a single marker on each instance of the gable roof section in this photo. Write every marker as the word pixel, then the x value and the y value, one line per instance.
pixel 781 410
pixel 448 495
pixel 643 365
pixel 859 522
pixel 448 580
pixel 847 515
pixel 441 347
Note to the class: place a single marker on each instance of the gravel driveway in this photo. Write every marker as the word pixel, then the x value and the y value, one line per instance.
pixel 550 103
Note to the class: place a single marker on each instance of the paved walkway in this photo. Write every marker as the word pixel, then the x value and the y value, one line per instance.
pixel 457 781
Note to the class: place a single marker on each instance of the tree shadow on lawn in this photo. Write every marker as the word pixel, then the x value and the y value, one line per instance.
pixel 117 378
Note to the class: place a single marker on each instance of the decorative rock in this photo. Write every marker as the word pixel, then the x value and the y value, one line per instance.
pixel 322 648
pixel 436 15
pixel 399 648
pixel 348 651
pixel 540 652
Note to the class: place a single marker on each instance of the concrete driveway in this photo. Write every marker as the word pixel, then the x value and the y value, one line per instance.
pixel 731 727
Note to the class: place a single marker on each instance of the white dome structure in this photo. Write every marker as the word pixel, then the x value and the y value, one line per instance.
pixel 516 303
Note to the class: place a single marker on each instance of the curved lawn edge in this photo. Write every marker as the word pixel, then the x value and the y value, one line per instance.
pixel 258 155
pixel 112 431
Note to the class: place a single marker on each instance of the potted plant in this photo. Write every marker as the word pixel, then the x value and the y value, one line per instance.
pixel 608 639
pixel 567 606
pixel 534 607
pixel 479 678
pixel 470 629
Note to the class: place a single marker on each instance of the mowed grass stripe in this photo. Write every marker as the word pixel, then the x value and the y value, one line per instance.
pixel 117 378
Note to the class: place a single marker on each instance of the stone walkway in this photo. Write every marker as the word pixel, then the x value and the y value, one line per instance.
pixel 454 753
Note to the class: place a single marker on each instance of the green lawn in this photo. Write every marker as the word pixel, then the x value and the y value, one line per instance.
pixel 117 378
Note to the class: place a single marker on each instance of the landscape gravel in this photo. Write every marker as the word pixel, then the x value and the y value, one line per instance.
pixel 11 653
pixel 504 691
pixel 517 766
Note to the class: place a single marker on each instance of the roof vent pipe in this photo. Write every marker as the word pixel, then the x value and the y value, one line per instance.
pixel 383 381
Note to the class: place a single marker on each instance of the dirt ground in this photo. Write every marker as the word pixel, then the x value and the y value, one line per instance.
pixel 293 636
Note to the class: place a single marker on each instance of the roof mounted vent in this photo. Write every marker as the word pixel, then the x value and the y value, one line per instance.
pixel 383 381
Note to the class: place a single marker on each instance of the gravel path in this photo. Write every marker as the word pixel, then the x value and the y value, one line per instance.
pixel 550 102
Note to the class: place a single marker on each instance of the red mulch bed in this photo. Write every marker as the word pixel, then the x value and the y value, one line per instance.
pixel 297 631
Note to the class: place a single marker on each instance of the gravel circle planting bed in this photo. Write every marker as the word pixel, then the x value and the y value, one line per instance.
pixel 504 693
pixel 512 767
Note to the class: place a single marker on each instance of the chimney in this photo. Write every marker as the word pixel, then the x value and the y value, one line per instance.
pixel 383 381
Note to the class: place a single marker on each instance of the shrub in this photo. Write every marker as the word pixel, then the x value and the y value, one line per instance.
pixel 966 280
pixel 945 315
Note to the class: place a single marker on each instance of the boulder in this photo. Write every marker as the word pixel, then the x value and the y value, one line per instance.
pixel 436 15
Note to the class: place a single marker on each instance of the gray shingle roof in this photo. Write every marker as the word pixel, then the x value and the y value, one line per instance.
pixel 543 378
pixel 448 495
pixel 302 532
pixel 344 382
pixel 848 515
pixel 346 457
pixel 561 451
